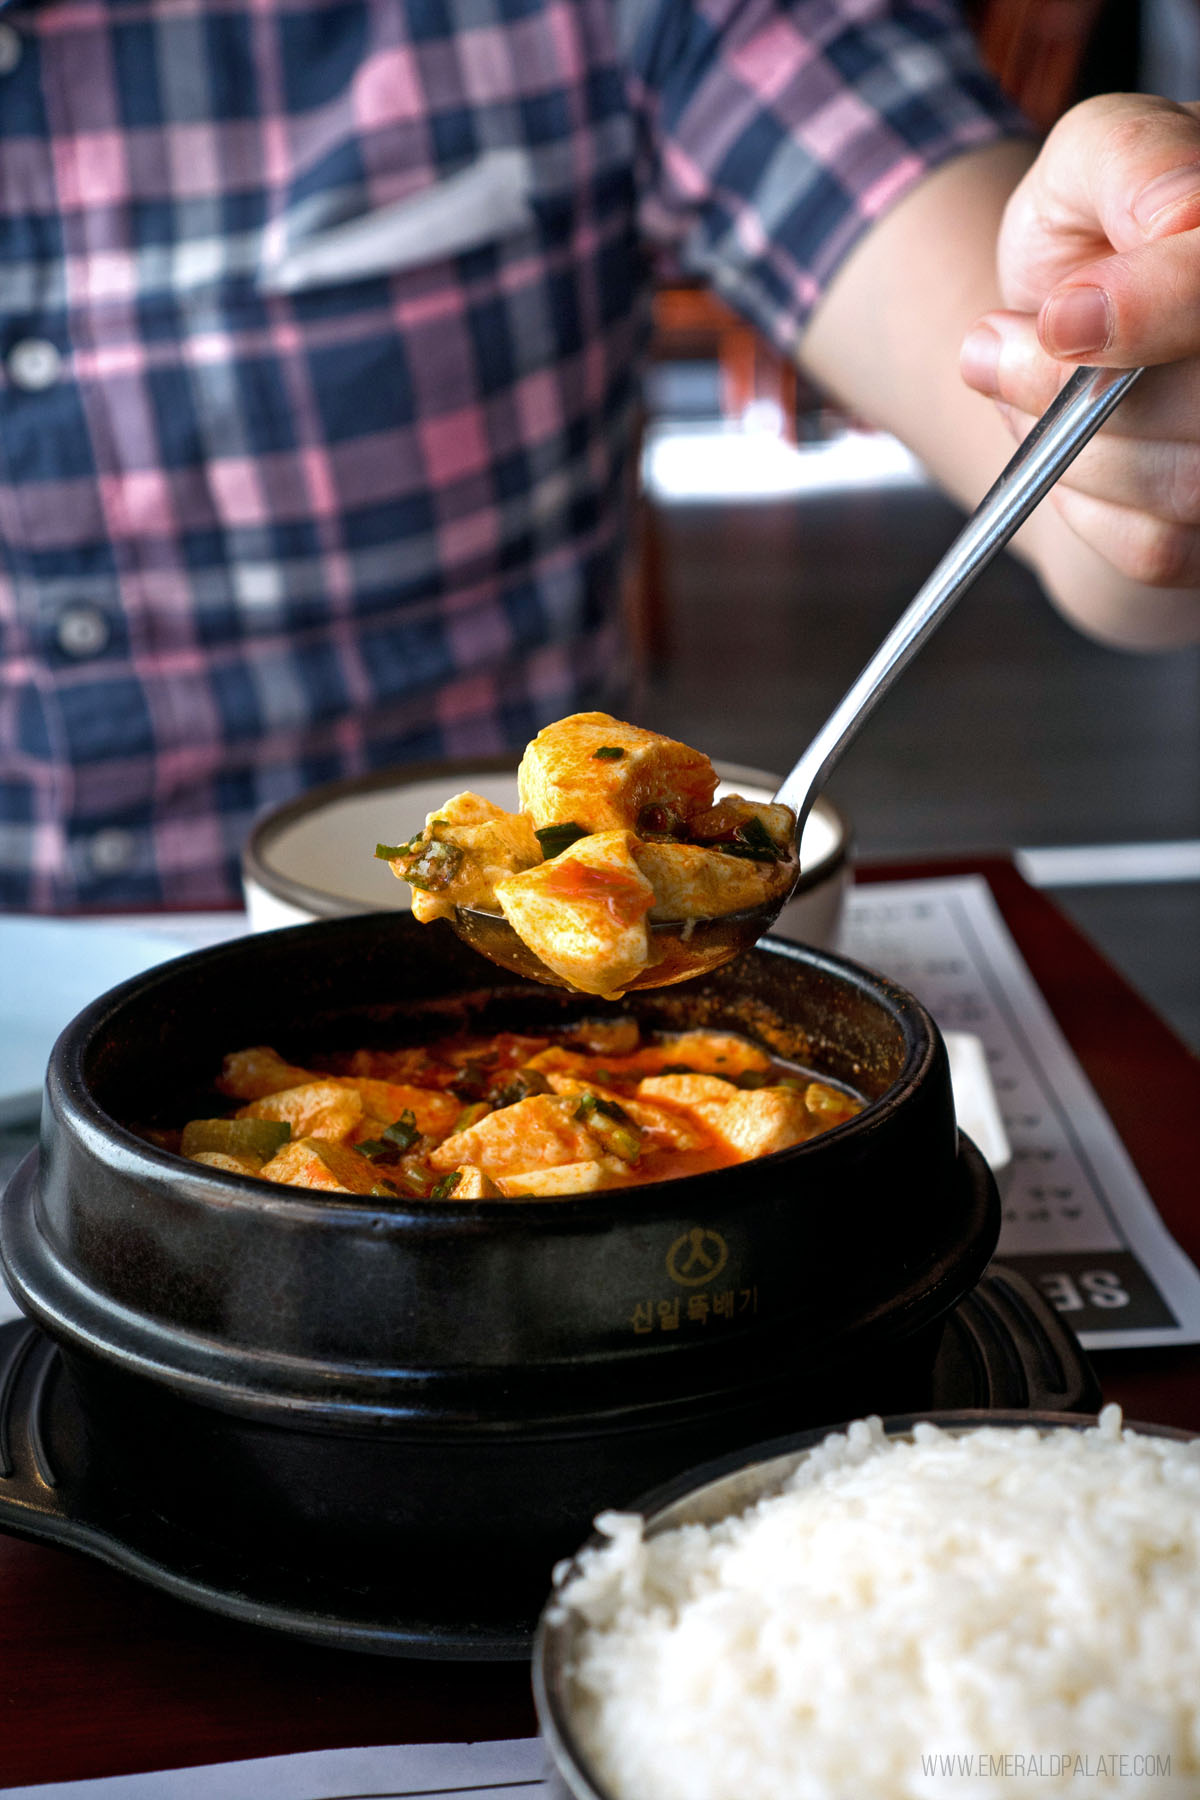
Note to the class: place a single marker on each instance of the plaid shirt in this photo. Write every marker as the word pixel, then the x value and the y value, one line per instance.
pixel 320 335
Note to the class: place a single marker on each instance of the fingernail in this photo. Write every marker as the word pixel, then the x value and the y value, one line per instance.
pixel 1077 321
pixel 1165 192
pixel 979 359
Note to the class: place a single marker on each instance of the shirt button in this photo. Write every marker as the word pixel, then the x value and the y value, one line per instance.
pixel 10 48
pixel 33 364
pixel 111 851
pixel 82 631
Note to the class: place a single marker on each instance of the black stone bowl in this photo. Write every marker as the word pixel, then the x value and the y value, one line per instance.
pixel 317 1380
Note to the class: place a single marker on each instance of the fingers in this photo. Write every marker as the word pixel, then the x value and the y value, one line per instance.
pixel 1123 311
pixel 1117 174
pixel 1157 552
pixel 1002 356
pixel 1142 475
pixel 1099 258
pixel 1124 165
pixel 1133 493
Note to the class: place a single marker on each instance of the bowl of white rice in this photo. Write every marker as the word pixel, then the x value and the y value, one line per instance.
pixel 968 1606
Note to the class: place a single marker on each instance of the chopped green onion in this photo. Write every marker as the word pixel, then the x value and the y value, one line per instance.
pixel 752 840
pixel 376 1151
pixel 748 852
pixel 389 852
pixel 753 831
pixel 436 867
pixel 611 1124
pixel 404 1131
pixel 590 1103
pixel 608 753
pixel 554 839
pixel 329 1154
pixel 443 1189
pixel 235 1137
pixel 384 1190
pixel 753 1078
pixel 415 1180
pixel 471 1115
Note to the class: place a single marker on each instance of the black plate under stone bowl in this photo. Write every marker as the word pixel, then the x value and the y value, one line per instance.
pixel 1002 1349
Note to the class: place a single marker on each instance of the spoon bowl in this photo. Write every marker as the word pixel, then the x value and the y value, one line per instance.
pixel 681 949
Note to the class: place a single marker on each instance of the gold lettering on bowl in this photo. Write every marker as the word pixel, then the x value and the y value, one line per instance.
pixel 697 1257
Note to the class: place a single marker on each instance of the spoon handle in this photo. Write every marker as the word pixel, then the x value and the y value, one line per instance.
pixel 1076 413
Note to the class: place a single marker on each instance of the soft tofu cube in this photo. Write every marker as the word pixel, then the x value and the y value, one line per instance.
pixel 466 809
pixel 691 882
pixel 665 1128
pixel 733 812
pixel 249 1074
pixel 465 847
pixel 761 1121
pixel 688 1091
pixel 751 1122
pixel 707 1052
pixel 539 1133
pixel 319 1109
pixel 567 1178
pixel 314 1163
pixel 584 913
pixel 704 1052
pixel 384 1101
pixel 568 775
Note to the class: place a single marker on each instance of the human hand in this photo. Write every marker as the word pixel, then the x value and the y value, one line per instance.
pixel 1099 262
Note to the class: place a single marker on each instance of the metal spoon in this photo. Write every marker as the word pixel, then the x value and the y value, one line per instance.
pixel 681 949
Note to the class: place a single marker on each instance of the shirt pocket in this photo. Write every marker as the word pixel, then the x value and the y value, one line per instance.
pixel 489 199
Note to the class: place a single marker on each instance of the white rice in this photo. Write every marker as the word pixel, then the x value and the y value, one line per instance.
pixel 1001 1613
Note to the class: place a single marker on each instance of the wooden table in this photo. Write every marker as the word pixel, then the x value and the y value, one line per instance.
pixel 102 1676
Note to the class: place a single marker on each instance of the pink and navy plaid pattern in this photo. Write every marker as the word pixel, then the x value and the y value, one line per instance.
pixel 319 353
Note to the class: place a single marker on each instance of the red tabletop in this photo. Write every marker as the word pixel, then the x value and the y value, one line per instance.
pixel 104 1676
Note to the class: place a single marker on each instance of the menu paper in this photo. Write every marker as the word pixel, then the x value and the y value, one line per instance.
pixel 510 1769
pixel 1077 1220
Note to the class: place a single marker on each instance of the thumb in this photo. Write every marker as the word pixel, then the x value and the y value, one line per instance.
pixel 1117 174
pixel 1129 310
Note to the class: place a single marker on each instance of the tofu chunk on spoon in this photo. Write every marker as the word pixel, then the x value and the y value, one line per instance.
pixel 584 913
pixel 617 836
pixel 602 774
